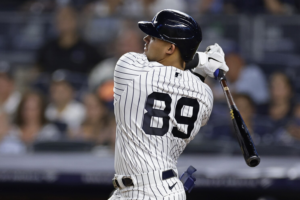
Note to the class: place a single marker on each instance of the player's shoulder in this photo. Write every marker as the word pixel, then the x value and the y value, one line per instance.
pixel 132 57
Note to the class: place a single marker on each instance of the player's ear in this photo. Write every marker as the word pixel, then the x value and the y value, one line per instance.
pixel 171 49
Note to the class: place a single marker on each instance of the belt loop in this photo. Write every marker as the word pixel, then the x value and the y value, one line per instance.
pixel 120 181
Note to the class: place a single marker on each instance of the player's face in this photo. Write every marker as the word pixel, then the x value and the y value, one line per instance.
pixel 155 48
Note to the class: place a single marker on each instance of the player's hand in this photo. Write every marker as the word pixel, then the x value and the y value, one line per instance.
pixel 211 60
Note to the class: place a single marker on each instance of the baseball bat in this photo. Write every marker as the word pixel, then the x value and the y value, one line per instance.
pixel 241 131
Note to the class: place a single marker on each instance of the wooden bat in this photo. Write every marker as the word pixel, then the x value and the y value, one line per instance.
pixel 244 138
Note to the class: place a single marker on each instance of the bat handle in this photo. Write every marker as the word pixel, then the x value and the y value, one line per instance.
pixel 220 74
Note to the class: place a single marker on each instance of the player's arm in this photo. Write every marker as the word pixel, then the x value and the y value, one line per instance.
pixel 208 110
pixel 207 63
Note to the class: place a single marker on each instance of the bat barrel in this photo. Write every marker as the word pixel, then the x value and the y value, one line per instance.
pixel 244 138
pixel 253 161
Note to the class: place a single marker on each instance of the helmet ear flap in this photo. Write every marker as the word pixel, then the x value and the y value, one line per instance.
pixel 193 63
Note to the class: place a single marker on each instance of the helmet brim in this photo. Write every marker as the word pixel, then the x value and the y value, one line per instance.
pixel 149 29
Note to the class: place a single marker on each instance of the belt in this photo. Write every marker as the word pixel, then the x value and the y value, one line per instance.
pixel 168 174
pixel 127 181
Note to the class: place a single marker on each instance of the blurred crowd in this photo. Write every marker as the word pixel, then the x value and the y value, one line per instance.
pixel 150 7
pixel 268 105
pixel 67 95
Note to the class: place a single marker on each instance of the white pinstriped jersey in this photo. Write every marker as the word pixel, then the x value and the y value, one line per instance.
pixel 159 110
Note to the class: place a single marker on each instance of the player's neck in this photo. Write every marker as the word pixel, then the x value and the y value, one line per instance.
pixel 170 61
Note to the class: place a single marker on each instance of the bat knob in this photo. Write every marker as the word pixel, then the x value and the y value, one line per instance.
pixel 253 161
pixel 219 74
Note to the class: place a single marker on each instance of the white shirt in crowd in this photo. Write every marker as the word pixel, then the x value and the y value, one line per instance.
pixel 73 115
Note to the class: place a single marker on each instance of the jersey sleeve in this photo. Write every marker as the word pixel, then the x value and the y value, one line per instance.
pixel 128 67
pixel 208 110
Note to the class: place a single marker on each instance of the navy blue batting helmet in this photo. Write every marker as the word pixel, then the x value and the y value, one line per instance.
pixel 177 28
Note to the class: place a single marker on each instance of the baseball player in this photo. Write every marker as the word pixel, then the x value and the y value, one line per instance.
pixel 160 104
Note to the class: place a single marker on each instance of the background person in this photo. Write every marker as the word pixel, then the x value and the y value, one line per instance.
pixel 239 78
pixel 63 107
pixel 68 51
pixel 9 96
pixel 279 108
pixel 96 126
pixel 10 143
pixel 30 122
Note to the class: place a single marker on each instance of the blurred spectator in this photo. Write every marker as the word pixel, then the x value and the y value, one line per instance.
pixel 104 8
pixel 9 5
pixel 9 97
pixel 63 108
pixel 280 6
pixel 97 124
pixel 246 7
pixel 211 6
pixel 281 96
pixel 146 8
pixel 111 129
pixel 260 6
pixel 279 108
pixel 31 124
pixel 129 40
pixel 68 51
pixel 247 108
pixel 37 6
pixel 111 6
pixel 259 127
pixel 291 134
pixel 10 143
pixel 242 78
pixel 151 7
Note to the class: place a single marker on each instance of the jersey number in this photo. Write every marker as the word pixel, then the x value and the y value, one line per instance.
pixel 163 115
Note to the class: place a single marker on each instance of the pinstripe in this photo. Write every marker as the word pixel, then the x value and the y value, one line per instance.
pixel 157 137
pixel 137 110
pixel 125 124
pixel 131 69
pixel 163 139
pixel 167 152
pixel 121 78
pixel 132 133
pixel 148 137
pixel 118 89
pixel 123 160
pixel 126 73
pixel 122 170
pixel 175 139
pixel 151 135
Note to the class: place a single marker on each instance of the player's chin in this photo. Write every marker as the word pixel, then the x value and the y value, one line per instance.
pixel 147 55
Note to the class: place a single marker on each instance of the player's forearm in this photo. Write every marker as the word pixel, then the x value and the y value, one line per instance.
pixel 193 64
